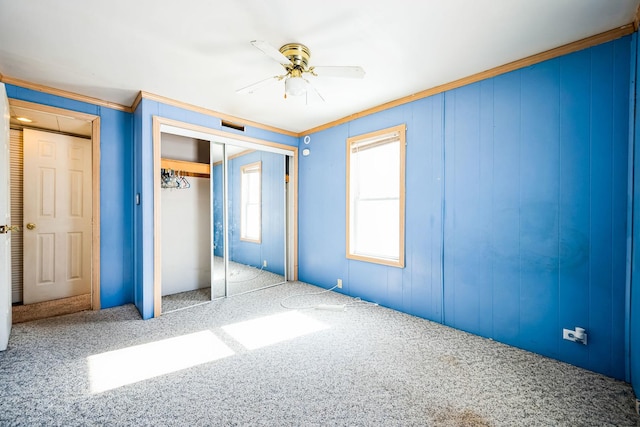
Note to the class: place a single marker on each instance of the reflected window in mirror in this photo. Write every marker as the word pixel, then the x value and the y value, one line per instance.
pixel 251 203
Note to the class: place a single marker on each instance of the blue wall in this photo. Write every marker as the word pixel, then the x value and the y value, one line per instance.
pixel 143 182
pixel 116 207
pixel 271 247
pixel 516 208
pixel 634 293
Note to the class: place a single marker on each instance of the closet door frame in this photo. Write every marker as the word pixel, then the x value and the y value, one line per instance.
pixel 165 125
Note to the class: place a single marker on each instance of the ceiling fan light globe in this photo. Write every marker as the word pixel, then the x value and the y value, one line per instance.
pixel 295 86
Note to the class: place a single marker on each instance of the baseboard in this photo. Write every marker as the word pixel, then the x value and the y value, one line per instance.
pixel 42 310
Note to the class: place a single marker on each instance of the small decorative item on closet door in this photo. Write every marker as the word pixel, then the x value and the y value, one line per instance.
pixel 173 179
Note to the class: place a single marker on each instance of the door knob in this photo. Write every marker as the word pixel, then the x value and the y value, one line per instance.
pixel 31 226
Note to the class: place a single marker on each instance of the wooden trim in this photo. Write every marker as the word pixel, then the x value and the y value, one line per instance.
pixel 213 113
pixel 235 156
pixel 64 93
pixel 136 101
pixel 52 110
pixel 184 166
pixel 242 153
pixel 636 19
pixel 45 309
pixel 401 131
pixel 95 246
pixel 607 36
pixel 223 134
pixel 157 221
pixel 95 185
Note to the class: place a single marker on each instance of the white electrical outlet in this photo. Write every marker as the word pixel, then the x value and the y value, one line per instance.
pixel 264 263
pixel 578 335
pixel 567 334
pixel 339 284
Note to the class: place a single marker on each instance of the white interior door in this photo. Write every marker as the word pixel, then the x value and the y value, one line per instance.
pixel 57 216
pixel 5 219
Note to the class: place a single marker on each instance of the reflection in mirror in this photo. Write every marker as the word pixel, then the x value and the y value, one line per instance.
pixel 197 263
pixel 218 287
pixel 256 221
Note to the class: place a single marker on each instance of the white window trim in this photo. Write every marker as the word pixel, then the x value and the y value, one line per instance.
pixel 250 168
pixel 375 138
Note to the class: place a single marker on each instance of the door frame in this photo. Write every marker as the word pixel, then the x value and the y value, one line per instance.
pixel 158 124
pixel 95 184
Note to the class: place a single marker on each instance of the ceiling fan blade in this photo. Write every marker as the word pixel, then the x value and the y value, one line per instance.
pixel 352 72
pixel 259 85
pixel 271 52
pixel 312 87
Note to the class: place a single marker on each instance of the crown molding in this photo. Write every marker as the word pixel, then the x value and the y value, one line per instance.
pixel 63 93
pixel 208 112
pixel 607 36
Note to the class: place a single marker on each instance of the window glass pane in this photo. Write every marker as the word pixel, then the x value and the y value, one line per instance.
pixel 378 171
pixel 253 222
pixel 251 205
pixel 376 197
pixel 376 228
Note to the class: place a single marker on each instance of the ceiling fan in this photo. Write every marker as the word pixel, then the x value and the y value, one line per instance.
pixel 294 57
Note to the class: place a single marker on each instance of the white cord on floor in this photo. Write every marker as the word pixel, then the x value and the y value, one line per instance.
pixel 358 301
pixel 304 295
pixel 252 278
pixel 336 307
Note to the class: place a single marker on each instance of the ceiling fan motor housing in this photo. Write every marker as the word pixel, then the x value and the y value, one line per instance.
pixel 298 54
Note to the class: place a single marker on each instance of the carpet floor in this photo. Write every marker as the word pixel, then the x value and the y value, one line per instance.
pixel 249 361
pixel 242 278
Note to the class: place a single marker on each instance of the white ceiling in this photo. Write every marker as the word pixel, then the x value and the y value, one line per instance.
pixel 50 121
pixel 199 52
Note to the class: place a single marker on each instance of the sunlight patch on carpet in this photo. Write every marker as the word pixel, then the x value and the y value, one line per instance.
pixel 268 330
pixel 130 365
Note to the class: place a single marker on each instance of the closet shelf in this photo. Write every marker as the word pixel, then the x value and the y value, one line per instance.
pixel 197 169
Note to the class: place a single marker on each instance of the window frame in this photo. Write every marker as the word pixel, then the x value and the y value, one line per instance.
pixel 255 167
pixel 374 139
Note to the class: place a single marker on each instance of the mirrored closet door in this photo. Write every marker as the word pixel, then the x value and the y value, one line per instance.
pixel 256 219
pixel 224 220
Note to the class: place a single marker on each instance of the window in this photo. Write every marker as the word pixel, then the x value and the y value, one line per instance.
pixel 375 196
pixel 251 203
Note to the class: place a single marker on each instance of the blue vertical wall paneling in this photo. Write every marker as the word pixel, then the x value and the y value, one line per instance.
pixel 506 208
pixel 144 263
pixel 468 180
pixel 532 243
pixel 116 208
pixel 321 209
pixel 116 176
pixel 539 208
pixel 271 247
pixel 634 292
pixel 576 178
pixel 600 226
pixel 137 213
pixel 422 290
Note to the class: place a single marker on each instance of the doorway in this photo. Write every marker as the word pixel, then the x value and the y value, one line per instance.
pixel 244 254
pixel 84 132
